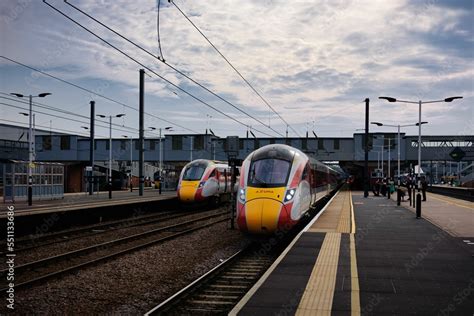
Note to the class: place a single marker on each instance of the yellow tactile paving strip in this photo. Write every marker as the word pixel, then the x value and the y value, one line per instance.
pixel 318 296
pixel 355 292
pixel 319 293
pixel 337 218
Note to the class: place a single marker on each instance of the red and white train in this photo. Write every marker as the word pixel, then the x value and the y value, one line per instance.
pixel 278 185
pixel 204 180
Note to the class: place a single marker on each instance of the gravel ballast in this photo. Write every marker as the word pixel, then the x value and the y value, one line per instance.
pixel 134 283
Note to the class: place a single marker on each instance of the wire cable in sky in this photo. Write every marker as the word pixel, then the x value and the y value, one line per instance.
pixel 158 37
pixel 148 68
pixel 94 93
pixel 232 66
pixel 170 66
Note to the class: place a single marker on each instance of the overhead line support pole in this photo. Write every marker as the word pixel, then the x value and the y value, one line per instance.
pixel 91 149
pixel 141 112
pixel 366 149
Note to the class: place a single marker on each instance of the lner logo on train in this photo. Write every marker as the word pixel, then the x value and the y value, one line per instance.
pixel 203 180
pixel 278 185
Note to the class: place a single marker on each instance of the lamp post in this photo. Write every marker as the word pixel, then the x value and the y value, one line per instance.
pixel 110 149
pixel 160 150
pixel 131 162
pixel 398 145
pixel 30 142
pixel 420 102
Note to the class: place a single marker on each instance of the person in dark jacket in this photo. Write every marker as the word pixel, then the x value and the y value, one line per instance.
pixel 424 186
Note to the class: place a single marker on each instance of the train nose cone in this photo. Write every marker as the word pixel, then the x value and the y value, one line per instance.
pixel 262 215
pixel 187 192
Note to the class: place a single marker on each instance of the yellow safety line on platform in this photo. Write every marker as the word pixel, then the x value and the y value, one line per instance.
pixel 319 293
pixel 451 202
pixel 353 226
pixel 355 292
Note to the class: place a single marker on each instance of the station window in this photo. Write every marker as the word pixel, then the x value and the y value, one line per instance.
pixel 320 144
pixel 336 144
pixel 47 142
pixel 177 142
pixel 152 144
pixel 137 144
pixel 198 143
pixel 123 144
pixel 272 140
pixel 65 142
pixel 256 144
pixel 107 145
pixel 304 143
pixel 241 144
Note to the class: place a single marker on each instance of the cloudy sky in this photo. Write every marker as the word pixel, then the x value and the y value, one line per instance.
pixel 314 62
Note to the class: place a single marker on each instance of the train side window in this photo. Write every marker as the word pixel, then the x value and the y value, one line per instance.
pixel 213 174
pixel 304 175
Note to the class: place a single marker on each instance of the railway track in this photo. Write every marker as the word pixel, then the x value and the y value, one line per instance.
pixel 32 241
pixel 55 266
pixel 220 289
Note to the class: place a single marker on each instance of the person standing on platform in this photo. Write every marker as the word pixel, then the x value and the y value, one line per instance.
pixel 408 184
pixel 424 186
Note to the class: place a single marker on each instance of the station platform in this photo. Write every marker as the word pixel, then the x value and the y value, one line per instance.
pixel 453 215
pixel 366 256
pixel 78 201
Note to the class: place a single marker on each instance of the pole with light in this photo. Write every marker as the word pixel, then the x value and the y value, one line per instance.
pixel 110 149
pixel 398 145
pixel 420 102
pixel 390 99
pixel 30 142
pixel 131 162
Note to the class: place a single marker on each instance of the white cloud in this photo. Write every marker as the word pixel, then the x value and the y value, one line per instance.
pixel 298 54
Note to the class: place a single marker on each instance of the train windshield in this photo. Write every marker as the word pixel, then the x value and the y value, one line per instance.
pixel 194 172
pixel 265 173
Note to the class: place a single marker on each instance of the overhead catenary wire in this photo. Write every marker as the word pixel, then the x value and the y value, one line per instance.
pixel 235 69
pixel 51 108
pixel 172 67
pixel 94 93
pixel 66 118
pixel 148 68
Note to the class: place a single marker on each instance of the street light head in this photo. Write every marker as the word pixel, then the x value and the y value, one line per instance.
pixel 452 98
pixel 315 136
pixel 168 128
pixel 120 115
pixel 42 95
pixel 101 115
pixel 376 123
pixel 418 124
pixel 17 95
pixel 152 128
pixel 84 127
pixel 389 99
pixel 23 113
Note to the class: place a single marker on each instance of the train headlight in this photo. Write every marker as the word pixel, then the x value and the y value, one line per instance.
pixel 242 195
pixel 289 195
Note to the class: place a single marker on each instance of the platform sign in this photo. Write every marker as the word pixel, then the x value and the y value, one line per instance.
pixel 457 154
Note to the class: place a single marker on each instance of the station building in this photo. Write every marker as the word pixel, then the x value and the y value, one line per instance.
pixel 179 149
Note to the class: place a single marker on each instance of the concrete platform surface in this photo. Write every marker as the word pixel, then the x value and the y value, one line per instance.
pixel 77 201
pixel 389 264
pixel 454 216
